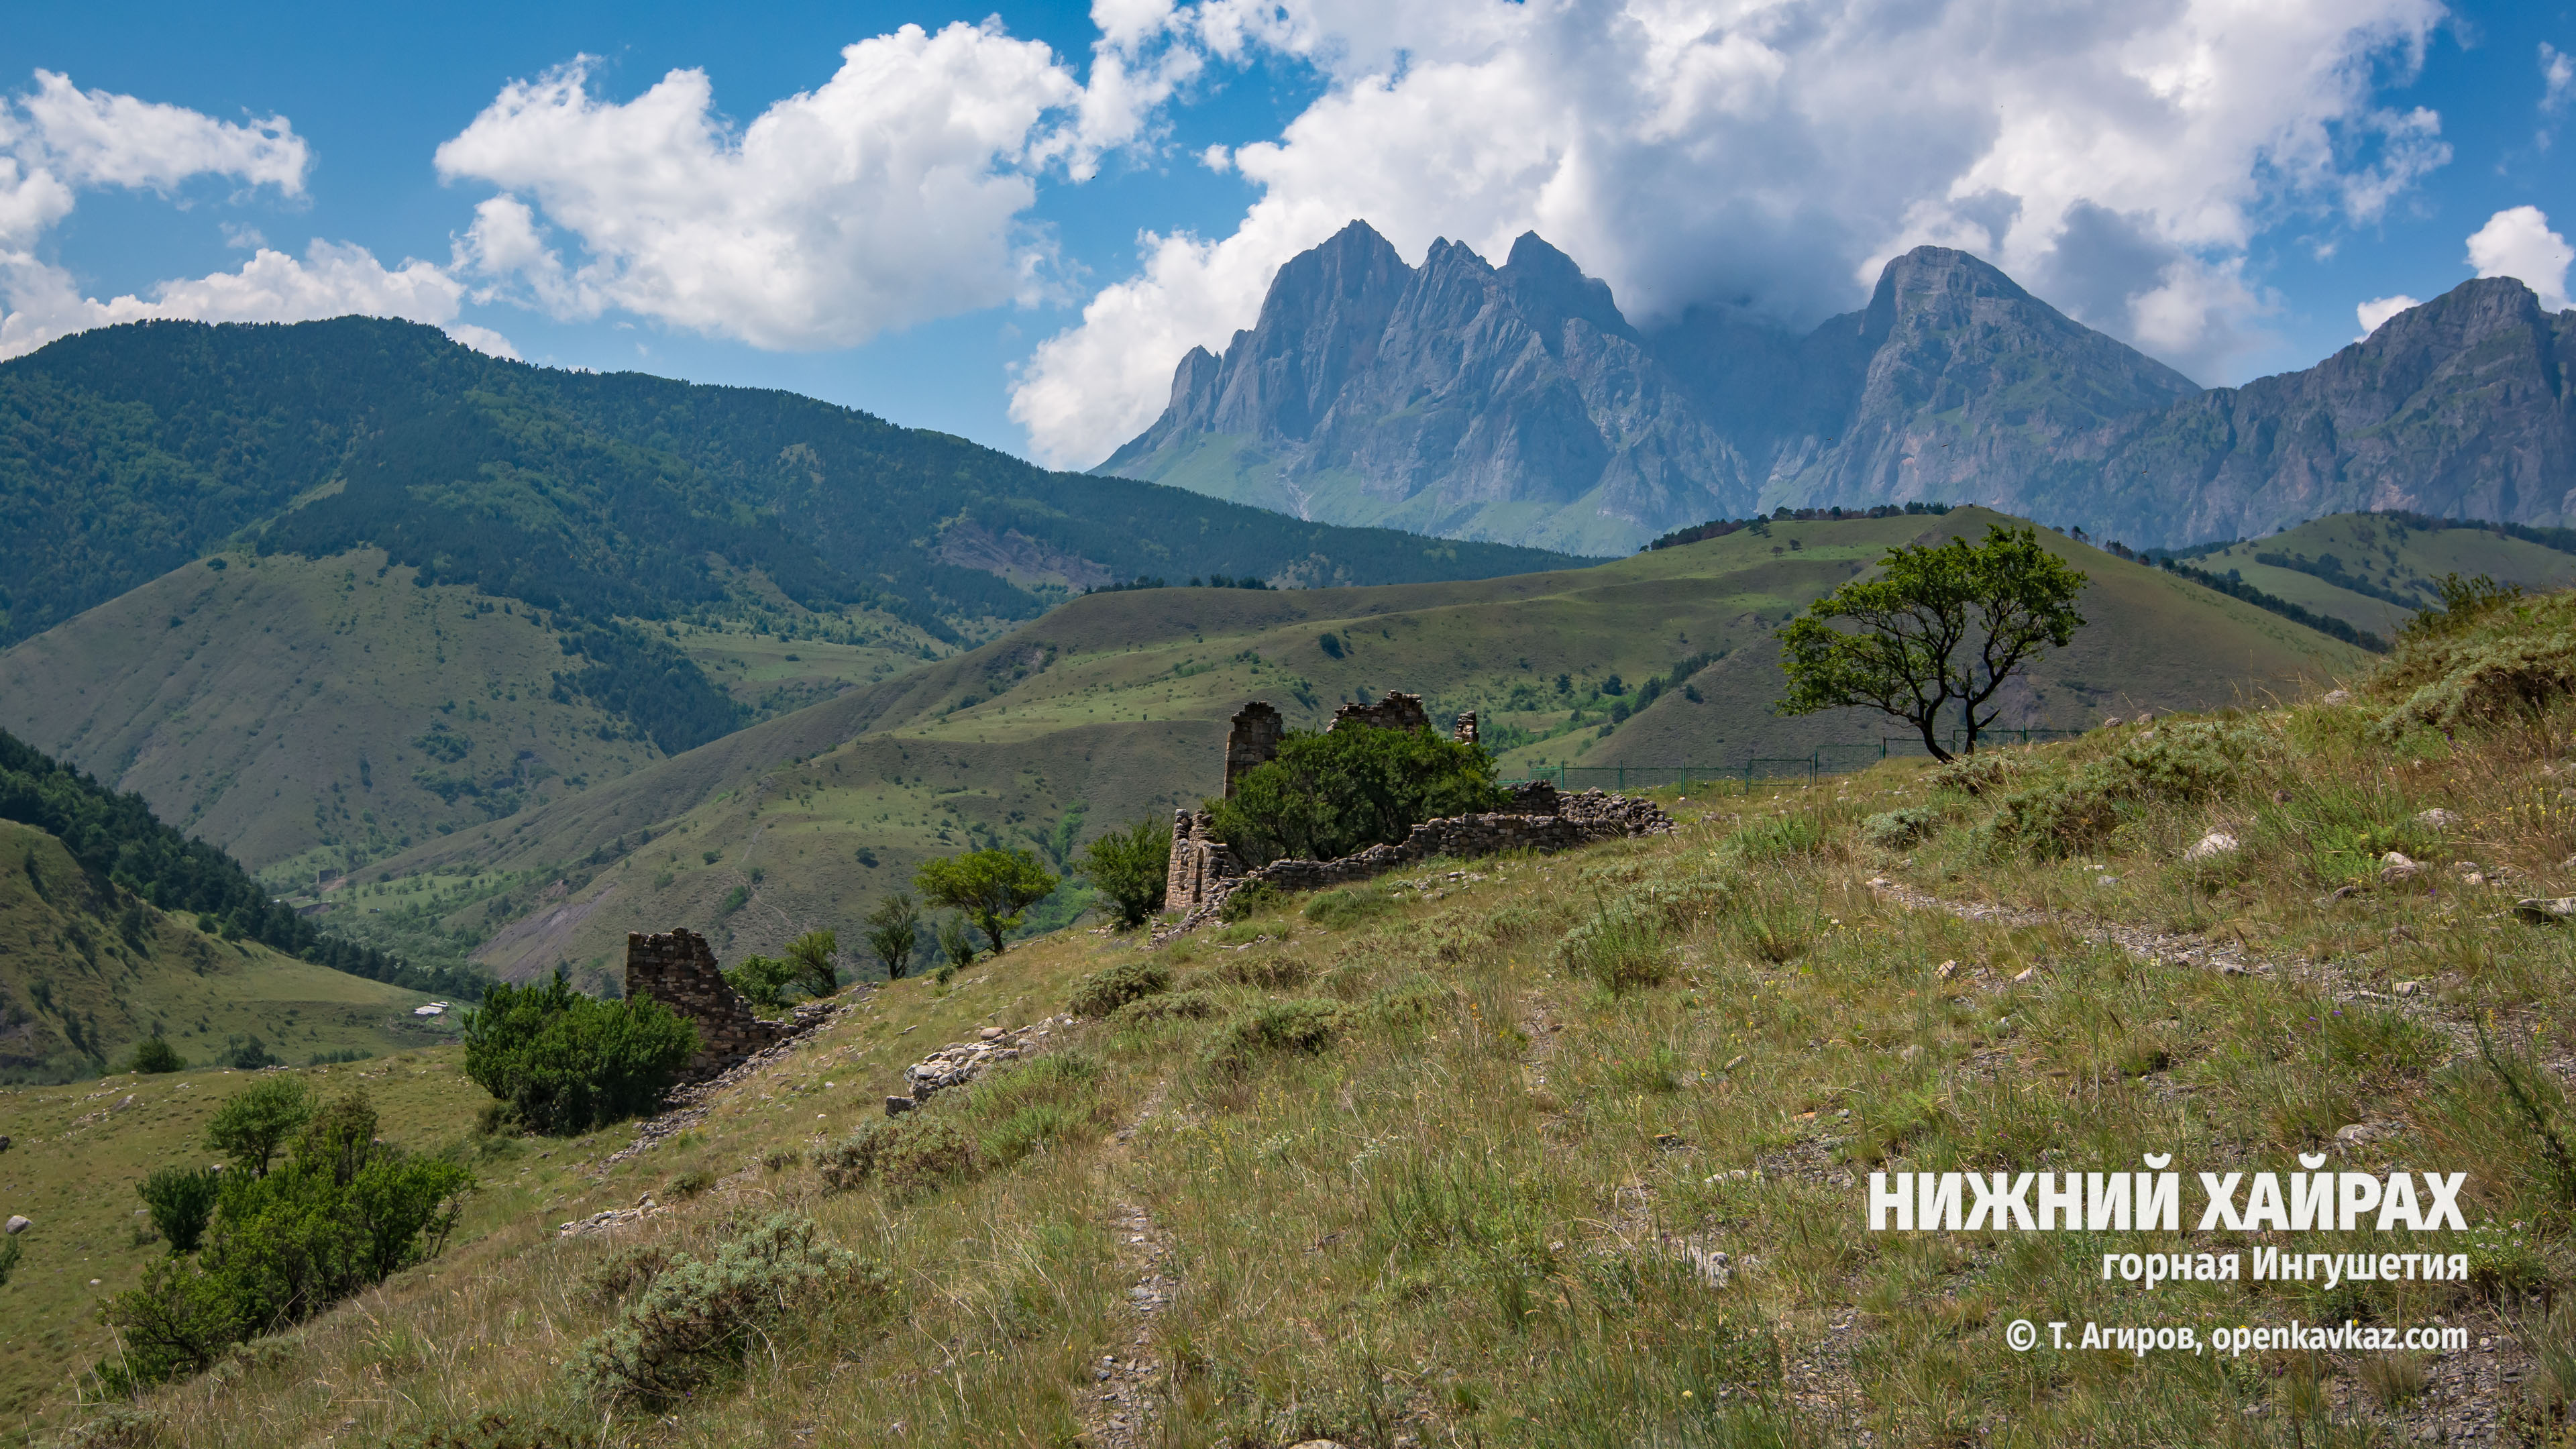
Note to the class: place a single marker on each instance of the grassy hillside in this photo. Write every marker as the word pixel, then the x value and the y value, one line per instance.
pixel 313 714
pixel 1117 702
pixel 2377 556
pixel 1574 1150
pixel 83 978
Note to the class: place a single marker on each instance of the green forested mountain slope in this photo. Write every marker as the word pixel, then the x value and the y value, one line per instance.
pixel 126 451
pixel 1115 706
pixel 2377 570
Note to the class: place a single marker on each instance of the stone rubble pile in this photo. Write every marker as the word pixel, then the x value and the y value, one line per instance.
pixel 960 1062
pixel 601 1222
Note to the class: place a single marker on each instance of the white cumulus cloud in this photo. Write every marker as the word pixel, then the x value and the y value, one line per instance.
pixel 2518 243
pixel 2379 309
pixel 891 194
pixel 59 140
pixel 2117 159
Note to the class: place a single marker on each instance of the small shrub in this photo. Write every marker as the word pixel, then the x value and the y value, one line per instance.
pixel 1619 949
pixel 909 1154
pixel 1657 1070
pixel 1176 1006
pixel 1349 906
pixel 181 1201
pixel 1275 1028
pixel 1900 829
pixel 698 1316
pixel 2177 764
pixel 1976 774
pixel 153 1056
pixel 1106 990
pixel 690 1184
pixel 2495 681
pixel 622 1272
pixel 565 1063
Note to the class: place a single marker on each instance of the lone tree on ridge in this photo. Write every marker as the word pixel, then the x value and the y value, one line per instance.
pixel 992 889
pixel 1998 603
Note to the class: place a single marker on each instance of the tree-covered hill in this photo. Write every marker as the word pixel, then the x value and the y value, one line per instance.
pixel 134 868
pixel 127 451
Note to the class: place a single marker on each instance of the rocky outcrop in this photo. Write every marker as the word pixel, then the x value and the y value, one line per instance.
pixel 961 1062
pixel 1447 399
pixel 1517 404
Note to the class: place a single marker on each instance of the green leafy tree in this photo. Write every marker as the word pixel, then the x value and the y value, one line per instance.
pixel 180 1200
pixel 957 942
pixel 990 888
pixel 562 1063
pixel 1130 867
pixel 894 932
pixel 153 1056
pixel 762 980
pixel 1328 795
pixel 1939 627
pixel 253 1125
pixel 343 1211
pixel 809 958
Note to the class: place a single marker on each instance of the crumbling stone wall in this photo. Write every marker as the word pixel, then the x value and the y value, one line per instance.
pixel 1538 818
pixel 1251 741
pixel 1395 712
pixel 1198 860
pixel 677 970
pixel 1464 731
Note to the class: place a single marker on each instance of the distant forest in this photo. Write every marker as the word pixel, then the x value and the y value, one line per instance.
pixel 120 845
pixel 127 451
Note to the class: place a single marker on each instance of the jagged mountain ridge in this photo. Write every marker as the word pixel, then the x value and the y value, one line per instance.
pixel 1518 404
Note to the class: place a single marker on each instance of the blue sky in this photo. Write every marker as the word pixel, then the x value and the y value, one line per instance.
pixel 947 232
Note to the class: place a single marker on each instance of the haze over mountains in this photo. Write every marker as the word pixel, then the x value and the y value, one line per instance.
pixel 1517 404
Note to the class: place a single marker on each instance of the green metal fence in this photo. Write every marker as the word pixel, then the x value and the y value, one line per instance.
pixel 1825 760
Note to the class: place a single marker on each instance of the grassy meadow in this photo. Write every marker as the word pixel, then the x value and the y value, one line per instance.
pixel 1572 1150
pixel 1115 706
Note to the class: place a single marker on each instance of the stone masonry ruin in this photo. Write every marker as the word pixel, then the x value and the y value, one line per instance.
pixel 1202 871
pixel 679 971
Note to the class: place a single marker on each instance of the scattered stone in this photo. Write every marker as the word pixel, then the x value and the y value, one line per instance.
pixel 1714 1268
pixel 2211 846
pixel 2408 988
pixel 601 1222
pixel 1946 970
pixel 2360 1133
pixel 2339 893
pixel 4 1144
pixel 958 1063
pixel 1912 1052
pixel 2280 797
pixel 2542 911
pixel 2395 866
pixel 2145 720
pixel 17 1224
pixel 2106 880
pixel 2437 819
pixel 2112 723
pixel 1670 1142
pixel 2027 972
pixel 1731 1064
pixel 1880 882
pixel 2230 968
pixel 2337 696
